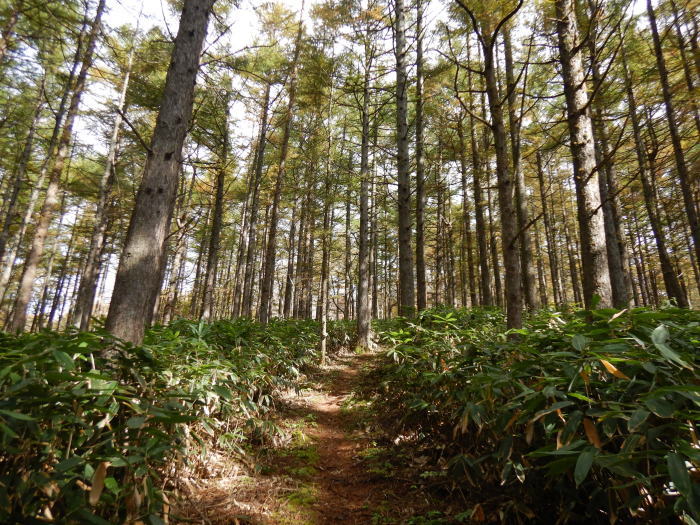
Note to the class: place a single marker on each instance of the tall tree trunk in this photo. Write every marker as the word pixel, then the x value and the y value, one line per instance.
pixel 247 302
pixel 142 257
pixel 406 274
pixel 549 235
pixel 670 276
pixel 286 309
pixel 270 255
pixel 364 307
pixel 326 241
pixel 20 173
pixel 493 247
pixel 541 279
pixel 214 238
pixel 468 241
pixel 596 275
pixel 681 167
pixel 505 182
pixel 421 293
pixel 347 281
pixel 49 207
pixel 88 282
pixel 524 240
pixel 614 242
pixel 479 205
pixel 644 162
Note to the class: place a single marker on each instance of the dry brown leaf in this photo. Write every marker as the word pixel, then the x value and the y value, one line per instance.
pixel 613 370
pixel 586 378
pixel 98 482
pixel 529 432
pixel 592 433
pixel 478 513
pixel 512 420
pixel 618 314
pixel 82 485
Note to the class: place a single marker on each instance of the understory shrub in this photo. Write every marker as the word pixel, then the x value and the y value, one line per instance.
pixel 587 417
pixel 82 440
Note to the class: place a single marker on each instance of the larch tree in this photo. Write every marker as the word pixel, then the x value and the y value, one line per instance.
pixel 594 259
pixel 140 265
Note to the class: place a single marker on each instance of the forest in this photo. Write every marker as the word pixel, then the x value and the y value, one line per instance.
pixel 349 261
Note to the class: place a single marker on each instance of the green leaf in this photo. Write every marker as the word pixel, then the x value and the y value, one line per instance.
pixel 17 415
pixel 64 360
pixel 660 407
pixel 672 356
pixel 638 417
pixel 579 342
pixel 136 421
pixel 8 431
pixel 112 485
pixel 223 392
pixel 583 465
pixel 679 473
pixel 580 396
pixel 68 464
pixel 660 335
pixel 88 517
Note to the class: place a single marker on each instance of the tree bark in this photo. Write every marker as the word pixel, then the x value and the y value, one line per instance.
pixel 270 255
pixel 20 173
pixel 364 307
pixel 524 239
pixel 509 241
pixel 88 282
pixel 681 167
pixel 142 257
pixel 468 240
pixel 596 275
pixel 247 302
pixel 549 235
pixel 50 205
pixel 421 293
pixel 407 300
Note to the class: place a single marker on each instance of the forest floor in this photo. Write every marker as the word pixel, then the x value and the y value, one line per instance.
pixel 327 468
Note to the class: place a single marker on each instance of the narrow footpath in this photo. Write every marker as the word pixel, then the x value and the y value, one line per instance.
pixel 325 468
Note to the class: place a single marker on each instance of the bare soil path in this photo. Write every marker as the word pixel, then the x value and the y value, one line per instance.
pixel 326 467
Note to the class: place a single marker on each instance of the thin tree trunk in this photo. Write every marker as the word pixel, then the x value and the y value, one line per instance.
pixel 20 173
pixel 681 167
pixel 421 293
pixel 364 307
pixel 493 246
pixel 288 289
pixel 549 235
pixel 50 205
pixel 247 303
pixel 88 282
pixel 468 241
pixel 407 299
pixel 527 268
pixel 270 255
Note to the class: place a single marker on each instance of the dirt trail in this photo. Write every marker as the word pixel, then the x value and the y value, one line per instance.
pixel 348 492
pixel 323 473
